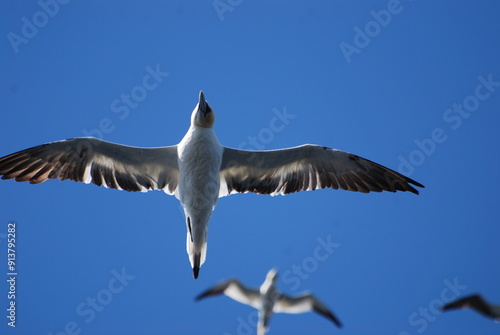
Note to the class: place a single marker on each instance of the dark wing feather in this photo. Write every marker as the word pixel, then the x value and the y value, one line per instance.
pixel 475 302
pixel 213 291
pixel 235 290
pixel 304 303
pixel 304 168
pixel 93 160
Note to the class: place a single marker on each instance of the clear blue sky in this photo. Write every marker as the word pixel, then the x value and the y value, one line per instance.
pixel 414 86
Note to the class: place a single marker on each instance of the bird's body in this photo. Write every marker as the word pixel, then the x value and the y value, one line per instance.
pixel 268 300
pixel 199 170
pixel 269 295
pixel 477 303
pixel 200 156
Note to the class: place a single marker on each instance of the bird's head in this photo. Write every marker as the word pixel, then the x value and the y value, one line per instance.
pixel 272 275
pixel 271 279
pixel 203 115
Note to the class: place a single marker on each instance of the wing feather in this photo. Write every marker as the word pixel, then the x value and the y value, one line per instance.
pixel 304 168
pixel 103 163
pixel 475 302
pixel 234 290
pixel 303 303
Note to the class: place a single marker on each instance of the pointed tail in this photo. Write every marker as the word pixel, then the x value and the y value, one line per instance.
pixel 196 246
pixel 196 265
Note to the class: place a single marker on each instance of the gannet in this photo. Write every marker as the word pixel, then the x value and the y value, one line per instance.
pixel 477 303
pixel 199 170
pixel 268 300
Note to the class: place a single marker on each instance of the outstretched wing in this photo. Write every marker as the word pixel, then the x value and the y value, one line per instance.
pixel 103 163
pixel 236 291
pixel 475 302
pixel 302 304
pixel 304 168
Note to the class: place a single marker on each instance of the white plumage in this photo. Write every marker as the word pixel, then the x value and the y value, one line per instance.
pixel 199 170
pixel 268 300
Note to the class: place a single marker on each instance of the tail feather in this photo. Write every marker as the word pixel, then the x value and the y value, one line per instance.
pixel 261 329
pixel 197 253
pixel 196 266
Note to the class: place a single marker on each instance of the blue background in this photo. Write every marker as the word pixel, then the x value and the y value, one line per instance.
pixel 387 101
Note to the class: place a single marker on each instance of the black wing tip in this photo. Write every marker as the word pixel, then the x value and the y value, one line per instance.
pixel 413 190
pixel 202 295
pixel 416 183
pixel 453 305
pixel 213 291
pixel 325 312
pixel 336 321
pixel 463 302
pixel 405 185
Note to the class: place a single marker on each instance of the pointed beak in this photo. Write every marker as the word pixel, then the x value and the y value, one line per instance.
pixel 202 104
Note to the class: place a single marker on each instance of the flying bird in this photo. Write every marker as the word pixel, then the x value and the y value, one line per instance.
pixel 268 300
pixel 199 170
pixel 477 303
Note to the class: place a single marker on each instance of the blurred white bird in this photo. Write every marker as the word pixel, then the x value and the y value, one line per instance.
pixel 268 300
pixel 199 170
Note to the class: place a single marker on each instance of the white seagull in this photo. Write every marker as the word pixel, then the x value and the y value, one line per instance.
pixel 477 303
pixel 199 170
pixel 268 300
